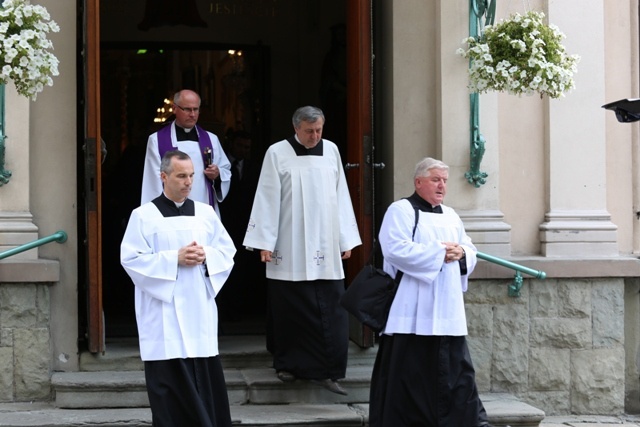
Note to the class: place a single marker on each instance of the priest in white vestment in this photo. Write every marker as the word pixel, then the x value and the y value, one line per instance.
pixel 303 223
pixel 179 255
pixel 423 373
pixel 211 166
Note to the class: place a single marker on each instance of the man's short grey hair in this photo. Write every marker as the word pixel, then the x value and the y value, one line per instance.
pixel 307 114
pixel 165 164
pixel 425 165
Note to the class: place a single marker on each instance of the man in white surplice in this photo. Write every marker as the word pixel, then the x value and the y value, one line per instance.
pixel 423 374
pixel 303 222
pixel 179 255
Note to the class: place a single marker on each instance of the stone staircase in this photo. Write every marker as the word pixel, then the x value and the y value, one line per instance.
pixel 110 391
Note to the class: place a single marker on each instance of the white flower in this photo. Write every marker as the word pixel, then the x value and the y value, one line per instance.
pixel 24 44
pixel 520 55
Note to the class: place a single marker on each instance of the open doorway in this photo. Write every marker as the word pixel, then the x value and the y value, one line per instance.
pixel 252 71
pixel 137 87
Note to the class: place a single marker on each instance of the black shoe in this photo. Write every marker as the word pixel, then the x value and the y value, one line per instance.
pixel 332 386
pixel 286 377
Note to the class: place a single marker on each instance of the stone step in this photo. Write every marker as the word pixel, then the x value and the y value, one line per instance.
pixel 503 410
pixel 126 389
pixel 236 352
pixel 110 391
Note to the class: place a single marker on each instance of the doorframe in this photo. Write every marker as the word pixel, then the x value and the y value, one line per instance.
pixel 95 335
pixel 360 130
pixel 359 117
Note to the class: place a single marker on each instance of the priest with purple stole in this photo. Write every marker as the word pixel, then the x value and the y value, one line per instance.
pixel 179 256
pixel 212 168
pixel 303 223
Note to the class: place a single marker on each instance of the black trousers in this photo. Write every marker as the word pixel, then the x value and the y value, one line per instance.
pixel 187 393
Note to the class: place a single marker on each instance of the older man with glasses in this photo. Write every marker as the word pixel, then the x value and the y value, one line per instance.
pixel 211 166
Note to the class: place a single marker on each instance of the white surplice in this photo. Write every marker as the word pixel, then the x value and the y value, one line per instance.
pixel 152 184
pixel 175 305
pixel 302 212
pixel 430 299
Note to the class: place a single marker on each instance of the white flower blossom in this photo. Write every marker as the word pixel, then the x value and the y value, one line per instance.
pixel 520 55
pixel 24 47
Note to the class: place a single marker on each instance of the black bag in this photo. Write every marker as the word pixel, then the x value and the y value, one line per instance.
pixel 370 295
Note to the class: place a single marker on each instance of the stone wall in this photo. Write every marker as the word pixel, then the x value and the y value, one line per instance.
pixel 25 350
pixel 560 346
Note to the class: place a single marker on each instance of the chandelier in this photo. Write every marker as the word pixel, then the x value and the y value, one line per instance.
pixel 164 112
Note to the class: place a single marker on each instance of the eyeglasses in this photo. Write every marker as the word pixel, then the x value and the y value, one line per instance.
pixel 188 110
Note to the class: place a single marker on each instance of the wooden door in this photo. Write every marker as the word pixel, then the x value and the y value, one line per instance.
pixel 93 173
pixel 360 137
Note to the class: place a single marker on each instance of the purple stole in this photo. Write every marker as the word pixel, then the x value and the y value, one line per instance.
pixel 165 144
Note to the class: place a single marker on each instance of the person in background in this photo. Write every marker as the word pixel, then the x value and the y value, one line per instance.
pixel 211 166
pixel 244 179
pixel 179 256
pixel 304 225
pixel 423 374
pixel 245 292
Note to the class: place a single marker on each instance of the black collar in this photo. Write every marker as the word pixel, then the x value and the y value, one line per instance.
pixel 301 150
pixel 422 204
pixel 182 135
pixel 168 207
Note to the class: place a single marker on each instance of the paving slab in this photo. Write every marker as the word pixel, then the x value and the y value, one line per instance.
pixel 45 415
pixel 591 421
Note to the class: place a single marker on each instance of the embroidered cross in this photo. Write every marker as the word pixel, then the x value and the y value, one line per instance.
pixel 319 257
pixel 251 225
pixel 276 257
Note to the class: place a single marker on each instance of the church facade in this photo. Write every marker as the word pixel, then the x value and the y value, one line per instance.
pixel 561 192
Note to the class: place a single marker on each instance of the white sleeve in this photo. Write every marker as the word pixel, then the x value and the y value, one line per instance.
pixel 151 182
pixel 421 259
pixel 153 272
pixel 223 165
pixel 264 223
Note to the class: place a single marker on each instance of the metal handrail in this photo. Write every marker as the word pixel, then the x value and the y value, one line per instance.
pixel 516 286
pixel 59 236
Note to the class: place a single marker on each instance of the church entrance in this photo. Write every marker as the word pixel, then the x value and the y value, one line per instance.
pixel 138 82
pixel 253 62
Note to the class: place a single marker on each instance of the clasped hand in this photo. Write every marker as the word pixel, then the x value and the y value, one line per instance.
pixel 192 254
pixel 453 252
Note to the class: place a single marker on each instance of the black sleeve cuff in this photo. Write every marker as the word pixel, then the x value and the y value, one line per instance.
pixel 463 265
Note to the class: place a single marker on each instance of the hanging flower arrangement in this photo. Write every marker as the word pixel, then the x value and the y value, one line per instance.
pixel 520 55
pixel 25 58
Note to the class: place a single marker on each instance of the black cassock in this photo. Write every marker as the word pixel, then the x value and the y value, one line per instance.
pixel 310 328
pixel 424 381
pixel 188 392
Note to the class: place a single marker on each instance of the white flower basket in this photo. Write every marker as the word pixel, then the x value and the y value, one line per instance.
pixel 25 58
pixel 520 55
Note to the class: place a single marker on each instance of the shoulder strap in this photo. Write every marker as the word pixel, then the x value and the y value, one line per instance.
pixel 417 211
pixel 415 225
pixel 377 243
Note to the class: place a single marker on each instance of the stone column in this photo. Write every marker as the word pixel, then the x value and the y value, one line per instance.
pixel 478 207
pixel 577 222
pixel 16 221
